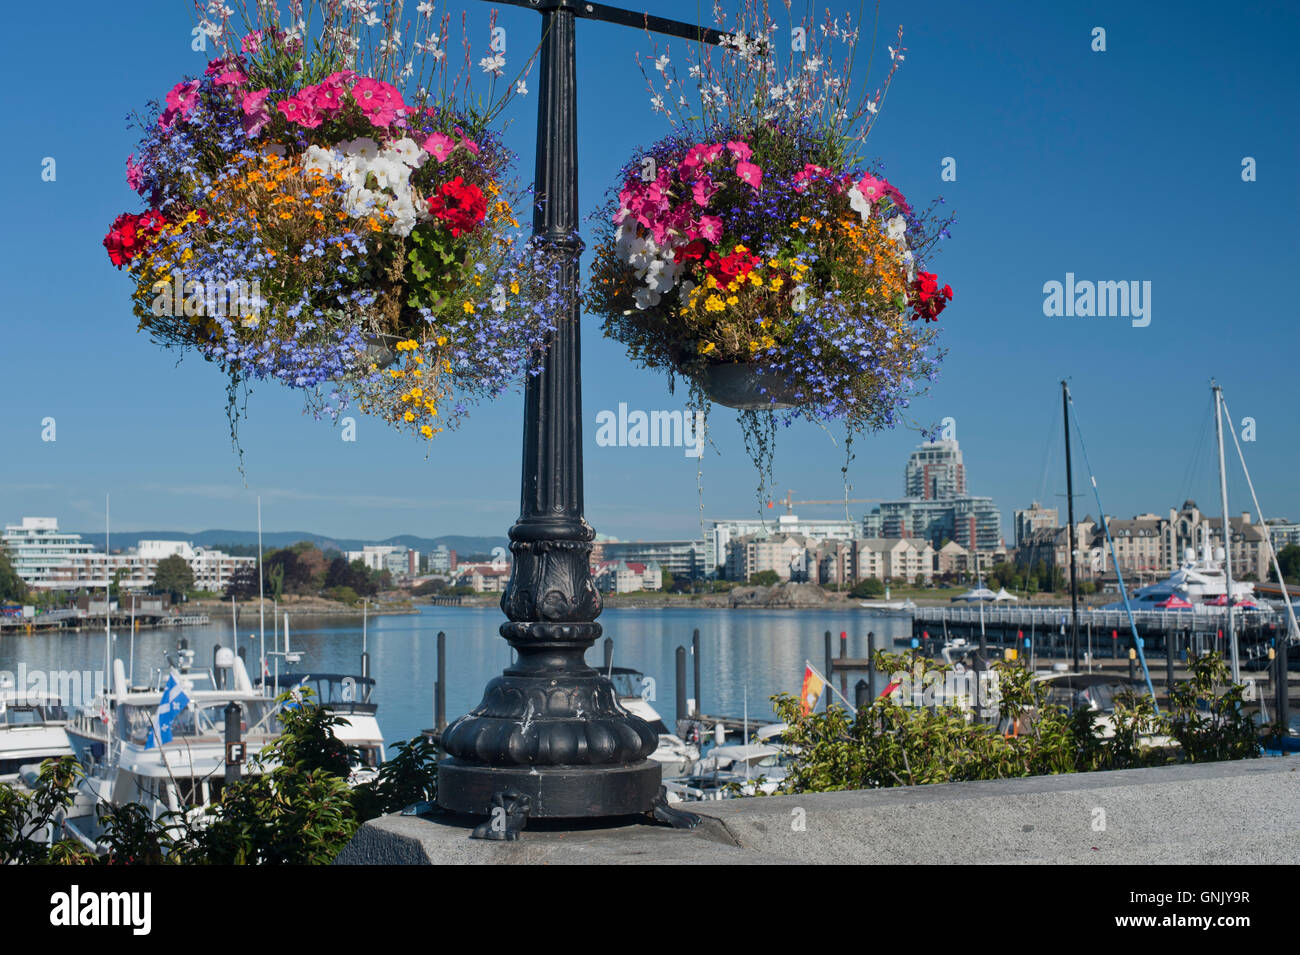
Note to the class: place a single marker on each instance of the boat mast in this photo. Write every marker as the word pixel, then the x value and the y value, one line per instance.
pixel 1293 630
pixel 261 597
pixel 1227 531
pixel 108 634
pixel 1069 507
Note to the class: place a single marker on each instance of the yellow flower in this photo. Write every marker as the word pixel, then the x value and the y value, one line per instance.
pixel 706 347
pixel 426 431
pixel 514 287
pixel 409 416
pixel 467 308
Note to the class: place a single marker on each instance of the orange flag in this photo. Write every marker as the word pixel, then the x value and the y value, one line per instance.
pixel 813 684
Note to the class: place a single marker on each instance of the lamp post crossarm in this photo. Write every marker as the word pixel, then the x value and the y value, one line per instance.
pixel 626 18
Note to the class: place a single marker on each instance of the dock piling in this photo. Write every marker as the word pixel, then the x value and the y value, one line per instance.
pixel 695 654
pixel 682 711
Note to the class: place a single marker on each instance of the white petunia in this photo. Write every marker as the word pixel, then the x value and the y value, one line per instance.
pixel 896 228
pixel 646 298
pixel 320 160
pixel 406 151
pixel 860 203
pixel 363 148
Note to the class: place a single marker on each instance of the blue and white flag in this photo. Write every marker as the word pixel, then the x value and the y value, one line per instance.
pixel 173 702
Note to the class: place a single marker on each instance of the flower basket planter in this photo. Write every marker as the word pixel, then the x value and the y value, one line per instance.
pixel 746 387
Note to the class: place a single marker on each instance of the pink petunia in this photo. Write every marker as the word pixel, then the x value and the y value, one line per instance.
pixel 467 142
pixel 180 103
pixel 232 78
pixel 710 228
pixel 134 172
pixel 379 101
pixel 740 150
pixel 256 115
pixel 750 173
pixel 702 190
pixel 872 188
pixel 439 146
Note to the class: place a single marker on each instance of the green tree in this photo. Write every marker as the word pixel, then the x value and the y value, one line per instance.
pixel 868 588
pixel 764 578
pixel 1288 559
pixel 12 587
pixel 174 576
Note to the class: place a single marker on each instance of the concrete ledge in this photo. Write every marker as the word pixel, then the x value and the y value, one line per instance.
pixel 1245 812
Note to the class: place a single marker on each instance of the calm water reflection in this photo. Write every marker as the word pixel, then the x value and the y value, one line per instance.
pixel 761 652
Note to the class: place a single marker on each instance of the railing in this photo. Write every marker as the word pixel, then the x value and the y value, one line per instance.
pixel 1114 619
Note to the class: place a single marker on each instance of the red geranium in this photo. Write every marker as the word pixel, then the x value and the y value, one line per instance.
pixel 726 270
pixel 130 235
pixel 458 205
pixel 928 299
pixel 694 251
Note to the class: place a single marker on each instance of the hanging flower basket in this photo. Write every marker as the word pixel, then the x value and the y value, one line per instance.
pixel 314 220
pixel 751 253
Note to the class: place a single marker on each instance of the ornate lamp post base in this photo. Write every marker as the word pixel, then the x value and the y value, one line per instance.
pixel 554 792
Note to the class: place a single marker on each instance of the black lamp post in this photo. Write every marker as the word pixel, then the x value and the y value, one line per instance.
pixel 549 738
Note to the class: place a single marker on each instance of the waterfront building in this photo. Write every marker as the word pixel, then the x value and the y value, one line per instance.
pixel 483 578
pixel 134 569
pixel 441 560
pixel 898 558
pixel 1282 533
pixel 785 554
pixel 37 548
pixel 936 505
pixel 627 576
pixel 1033 518
pixel 48 559
pixel 721 534
pixel 374 556
pixel 683 559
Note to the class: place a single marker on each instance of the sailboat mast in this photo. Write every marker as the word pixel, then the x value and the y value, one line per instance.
pixel 1069 509
pixel 1227 532
pixel 261 596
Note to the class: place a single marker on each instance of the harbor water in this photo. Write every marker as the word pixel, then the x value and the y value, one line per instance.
pixel 745 654
pixel 749 654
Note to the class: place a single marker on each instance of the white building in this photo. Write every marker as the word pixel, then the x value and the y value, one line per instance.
pixel 719 539
pixel 212 568
pixel 374 556
pixel 37 548
pixel 627 576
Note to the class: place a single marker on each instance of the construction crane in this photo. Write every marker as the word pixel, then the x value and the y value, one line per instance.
pixel 790 502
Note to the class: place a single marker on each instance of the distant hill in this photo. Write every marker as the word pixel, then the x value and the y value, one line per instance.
pixel 271 540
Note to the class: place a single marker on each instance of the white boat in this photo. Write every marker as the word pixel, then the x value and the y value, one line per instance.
pixel 1199 581
pixel 113 738
pixel 894 605
pixel 350 698
pixel 33 728
pixel 675 755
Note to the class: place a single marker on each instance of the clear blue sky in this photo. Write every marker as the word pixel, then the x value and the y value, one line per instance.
pixel 1119 165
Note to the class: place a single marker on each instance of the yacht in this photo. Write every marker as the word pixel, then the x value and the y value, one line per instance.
pixel 33 728
pixel 1198 585
pixel 113 739
pixel 350 698
pixel 674 754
